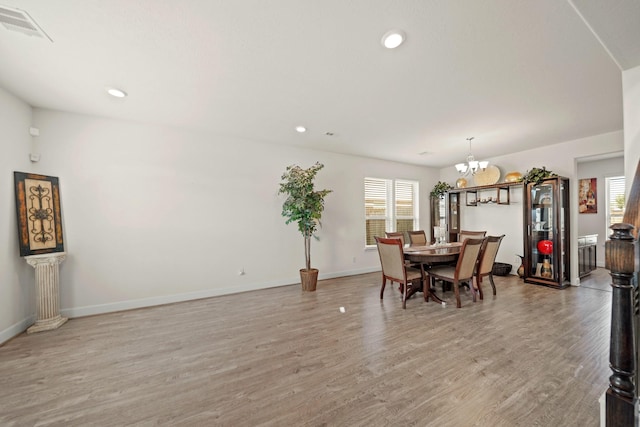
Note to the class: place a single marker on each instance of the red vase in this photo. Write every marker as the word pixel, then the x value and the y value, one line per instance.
pixel 545 247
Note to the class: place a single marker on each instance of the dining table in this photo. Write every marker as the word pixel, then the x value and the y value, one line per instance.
pixel 432 255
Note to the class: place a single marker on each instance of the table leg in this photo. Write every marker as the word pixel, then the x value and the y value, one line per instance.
pixel 428 286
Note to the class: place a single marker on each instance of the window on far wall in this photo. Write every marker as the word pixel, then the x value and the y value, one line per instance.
pixel 390 205
pixel 615 201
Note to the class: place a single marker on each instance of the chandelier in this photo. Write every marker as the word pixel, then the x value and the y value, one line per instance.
pixel 472 166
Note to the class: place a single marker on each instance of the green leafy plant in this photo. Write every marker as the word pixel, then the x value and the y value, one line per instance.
pixel 304 204
pixel 440 189
pixel 537 175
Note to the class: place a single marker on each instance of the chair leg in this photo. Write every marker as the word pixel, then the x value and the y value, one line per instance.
pixel 404 295
pixel 493 285
pixel 425 283
pixel 473 290
pixel 384 283
pixel 479 284
pixel 457 292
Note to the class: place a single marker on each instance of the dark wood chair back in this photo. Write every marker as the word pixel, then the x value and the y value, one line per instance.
pixel 466 234
pixel 395 235
pixel 469 253
pixel 463 270
pixel 486 260
pixel 417 238
pixel 394 268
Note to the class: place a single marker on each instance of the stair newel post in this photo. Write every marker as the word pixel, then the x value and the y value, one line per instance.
pixel 621 256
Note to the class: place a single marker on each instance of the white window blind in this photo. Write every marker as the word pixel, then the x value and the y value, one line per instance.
pixel 615 200
pixel 376 197
pixel 390 205
pixel 405 203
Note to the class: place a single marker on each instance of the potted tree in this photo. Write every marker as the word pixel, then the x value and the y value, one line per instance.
pixel 304 205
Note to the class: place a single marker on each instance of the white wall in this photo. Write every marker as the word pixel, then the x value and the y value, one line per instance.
pixel 631 101
pixel 596 223
pixel 155 214
pixel 17 301
pixel 559 158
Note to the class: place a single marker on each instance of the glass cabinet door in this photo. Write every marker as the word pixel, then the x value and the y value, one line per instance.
pixel 542 241
pixel 438 217
pixel 453 213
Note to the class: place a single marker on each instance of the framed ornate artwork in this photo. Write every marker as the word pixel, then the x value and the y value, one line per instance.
pixel 587 195
pixel 38 212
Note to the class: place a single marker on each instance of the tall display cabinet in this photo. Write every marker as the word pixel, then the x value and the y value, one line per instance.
pixel 453 216
pixel 546 233
pixel 445 212
pixel 438 216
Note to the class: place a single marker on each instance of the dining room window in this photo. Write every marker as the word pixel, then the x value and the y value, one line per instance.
pixel 390 205
pixel 615 201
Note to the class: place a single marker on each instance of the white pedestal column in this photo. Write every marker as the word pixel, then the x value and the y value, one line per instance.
pixel 47 291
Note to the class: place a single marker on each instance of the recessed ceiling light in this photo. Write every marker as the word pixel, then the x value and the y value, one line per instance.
pixel 118 93
pixel 301 129
pixel 393 39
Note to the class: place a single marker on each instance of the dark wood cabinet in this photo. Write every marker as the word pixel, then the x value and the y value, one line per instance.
pixel 546 233
pixel 438 216
pixel 445 213
pixel 587 254
pixel 453 216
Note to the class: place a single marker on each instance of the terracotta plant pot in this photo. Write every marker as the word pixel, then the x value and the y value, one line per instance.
pixel 521 268
pixel 309 279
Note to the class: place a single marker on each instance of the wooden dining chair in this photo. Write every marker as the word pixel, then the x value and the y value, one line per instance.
pixel 464 269
pixel 417 238
pixel 486 259
pixel 395 270
pixel 466 234
pixel 395 235
pixel 400 235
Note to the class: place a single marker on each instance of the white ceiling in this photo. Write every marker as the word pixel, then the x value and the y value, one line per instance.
pixel 515 74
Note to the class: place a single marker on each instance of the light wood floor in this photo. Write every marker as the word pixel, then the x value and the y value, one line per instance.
pixel 532 356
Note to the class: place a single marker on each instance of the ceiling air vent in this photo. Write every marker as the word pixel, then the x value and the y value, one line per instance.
pixel 20 21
